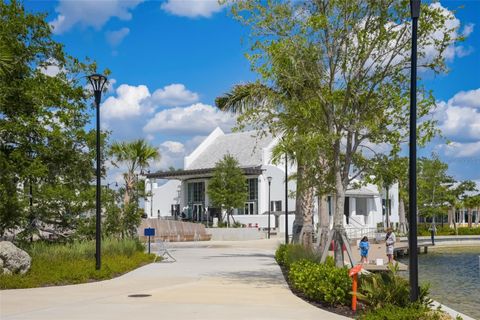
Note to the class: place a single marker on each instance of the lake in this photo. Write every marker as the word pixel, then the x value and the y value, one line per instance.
pixel 454 277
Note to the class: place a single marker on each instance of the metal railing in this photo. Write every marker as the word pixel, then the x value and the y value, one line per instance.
pixel 358 233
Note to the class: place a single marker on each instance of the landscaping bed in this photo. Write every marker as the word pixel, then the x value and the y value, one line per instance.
pixel 73 263
pixel 381 296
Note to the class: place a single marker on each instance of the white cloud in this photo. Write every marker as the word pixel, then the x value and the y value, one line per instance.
pixel 114 38
pixel 452 28
pixel 469 99
pixel 198 118
pixel 462 150
pixel 174 146
pixel 127 104
pixel 467 30
pixel 174 95
pixel 51 68
pixel 459 120
pixel 89 13
pixel 111 85
pixel 192 8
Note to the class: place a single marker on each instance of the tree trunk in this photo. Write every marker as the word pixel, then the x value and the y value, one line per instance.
pixel 387 207
pixel 323 221
pixel 451 216
pixel 129 183
pixel 338 218
pixel 477 220
pixel 299 202
pixel 307 210
pixel 469 217
pixel 401 215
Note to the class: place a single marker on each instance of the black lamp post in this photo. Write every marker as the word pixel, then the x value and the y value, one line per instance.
pixel 286 200
pixel 98 81
pixel 269 204
pixel 412 206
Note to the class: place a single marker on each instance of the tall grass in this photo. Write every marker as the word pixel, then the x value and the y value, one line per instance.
pixel 61 264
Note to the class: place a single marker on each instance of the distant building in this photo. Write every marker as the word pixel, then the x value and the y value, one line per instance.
pixel 185 195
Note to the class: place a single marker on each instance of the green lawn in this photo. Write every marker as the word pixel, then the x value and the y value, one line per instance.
pixel 62 264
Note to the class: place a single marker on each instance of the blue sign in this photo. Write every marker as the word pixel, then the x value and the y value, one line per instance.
pixel 149 232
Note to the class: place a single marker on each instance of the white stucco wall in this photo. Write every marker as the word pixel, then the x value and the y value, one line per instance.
pixel 163 197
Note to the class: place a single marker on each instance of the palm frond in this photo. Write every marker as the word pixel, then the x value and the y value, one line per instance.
pixel 245 97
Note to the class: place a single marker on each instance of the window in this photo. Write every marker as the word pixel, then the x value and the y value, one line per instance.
pixel 252 185
pixel 196 192
pixel 276 205
pixel 389 206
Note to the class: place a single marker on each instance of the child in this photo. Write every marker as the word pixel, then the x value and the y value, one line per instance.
pixel 364 246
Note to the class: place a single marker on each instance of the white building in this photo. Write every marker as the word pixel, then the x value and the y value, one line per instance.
pixel 185 192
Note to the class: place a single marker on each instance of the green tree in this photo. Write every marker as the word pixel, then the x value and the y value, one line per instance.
pixel 136 156
pixel 432 187
pixel 355 63
pixel 46 154
pixel 455 195
pixel 227 189
pixel 471 202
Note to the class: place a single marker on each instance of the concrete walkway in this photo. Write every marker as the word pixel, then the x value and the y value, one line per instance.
pixel 210 280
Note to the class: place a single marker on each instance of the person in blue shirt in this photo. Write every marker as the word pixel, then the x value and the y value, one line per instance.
pixel 364 246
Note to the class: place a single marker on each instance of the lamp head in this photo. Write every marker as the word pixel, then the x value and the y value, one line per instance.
pixel 98 82
pixel 269 179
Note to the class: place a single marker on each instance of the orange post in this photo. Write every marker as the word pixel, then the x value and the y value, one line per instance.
pixel 354 273
pixel 354 289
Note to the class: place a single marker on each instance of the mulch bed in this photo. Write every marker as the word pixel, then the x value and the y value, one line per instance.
pixel 341 310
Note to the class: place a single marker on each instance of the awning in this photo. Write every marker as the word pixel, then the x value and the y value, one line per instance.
pixel 197 173
pixel 363 192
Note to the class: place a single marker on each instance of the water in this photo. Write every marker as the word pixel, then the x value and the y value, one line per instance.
pixel 454 277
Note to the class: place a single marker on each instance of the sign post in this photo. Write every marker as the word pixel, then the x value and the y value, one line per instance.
pixel 353 272
pixel 150 232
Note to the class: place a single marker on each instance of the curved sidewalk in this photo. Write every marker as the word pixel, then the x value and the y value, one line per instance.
pixel 210 280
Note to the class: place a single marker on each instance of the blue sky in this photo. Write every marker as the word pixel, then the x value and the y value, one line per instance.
pixel 170 59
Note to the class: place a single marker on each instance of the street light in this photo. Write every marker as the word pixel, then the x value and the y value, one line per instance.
pixel 286 200
pixel 269 204
pixel 98 81
pixel 412 207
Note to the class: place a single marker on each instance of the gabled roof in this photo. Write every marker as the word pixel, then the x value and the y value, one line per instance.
pixel 246 147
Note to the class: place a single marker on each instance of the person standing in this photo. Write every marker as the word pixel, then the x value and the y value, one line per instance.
pixel 364 246
pixel 433 230
pixel 390 243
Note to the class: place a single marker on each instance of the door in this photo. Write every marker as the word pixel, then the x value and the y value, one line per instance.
pixel 250 208
pixel 197 211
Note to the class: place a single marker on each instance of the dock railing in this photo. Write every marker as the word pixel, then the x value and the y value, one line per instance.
pixel 355 233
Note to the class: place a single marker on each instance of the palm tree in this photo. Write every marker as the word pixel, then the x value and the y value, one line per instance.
pixel 6 58
pixel 136 156
pixel 253 99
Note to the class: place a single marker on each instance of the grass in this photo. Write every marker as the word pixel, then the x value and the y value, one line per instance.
pixel 63 264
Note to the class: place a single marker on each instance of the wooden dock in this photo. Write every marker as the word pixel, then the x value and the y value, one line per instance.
pixel 374 268
pixel 401 249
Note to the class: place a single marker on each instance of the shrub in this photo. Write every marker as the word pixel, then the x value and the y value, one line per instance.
pixel 387 288
pixel 280 254
pixel 321 281
pixel 446 230
pixel 297 252
pixel 61 264
pixel 412 312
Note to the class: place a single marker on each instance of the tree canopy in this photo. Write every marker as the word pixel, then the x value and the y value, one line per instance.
pixel 46 154
pixel 334 76
pixel 227 189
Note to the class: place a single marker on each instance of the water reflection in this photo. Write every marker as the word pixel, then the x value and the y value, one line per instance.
pixel 454 277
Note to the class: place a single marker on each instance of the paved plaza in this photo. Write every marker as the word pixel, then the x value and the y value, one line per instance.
pixel 210 280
